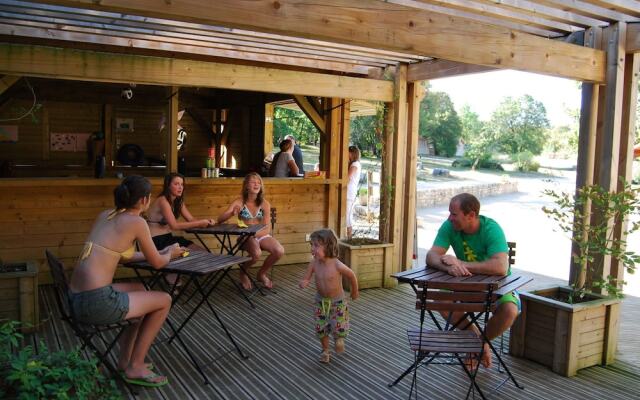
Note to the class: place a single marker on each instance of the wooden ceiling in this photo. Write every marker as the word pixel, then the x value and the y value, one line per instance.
pixel 355 37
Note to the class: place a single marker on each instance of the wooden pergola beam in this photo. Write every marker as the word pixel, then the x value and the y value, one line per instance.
pixel 379 25
pixel 633 38
pixel 310 111
pixel 7 81
pixel 434 69
pixel 58 63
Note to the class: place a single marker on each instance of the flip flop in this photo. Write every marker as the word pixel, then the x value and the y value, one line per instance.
pixel 150 366
pixel 148 380
pixel 325 357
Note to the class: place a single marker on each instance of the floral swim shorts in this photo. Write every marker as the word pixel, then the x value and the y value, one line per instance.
pixel 331 315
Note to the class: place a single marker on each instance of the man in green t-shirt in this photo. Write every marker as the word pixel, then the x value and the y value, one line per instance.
pixel 480 248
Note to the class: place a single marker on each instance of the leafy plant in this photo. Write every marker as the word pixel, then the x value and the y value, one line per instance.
pixel 524 162
pixel 589 216
pixel 48 375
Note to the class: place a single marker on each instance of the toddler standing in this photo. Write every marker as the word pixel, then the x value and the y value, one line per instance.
pixel 331 311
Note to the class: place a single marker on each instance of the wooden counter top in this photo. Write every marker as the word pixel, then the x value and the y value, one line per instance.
pixel 48 182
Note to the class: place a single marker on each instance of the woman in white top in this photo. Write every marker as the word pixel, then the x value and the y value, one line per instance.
pixel 285 164
pixel 352 186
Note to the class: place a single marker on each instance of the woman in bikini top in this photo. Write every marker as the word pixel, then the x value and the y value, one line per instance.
pixel 253 198
pixel 96 299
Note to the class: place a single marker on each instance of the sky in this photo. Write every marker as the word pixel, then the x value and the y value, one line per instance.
pixel 484 92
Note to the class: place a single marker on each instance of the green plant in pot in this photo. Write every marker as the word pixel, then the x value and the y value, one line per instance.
pixel 571 327
pixel 27 374
pixel 589 216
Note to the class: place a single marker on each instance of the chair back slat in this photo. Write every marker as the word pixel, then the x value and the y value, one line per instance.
pixel 470 297
pixel 274 216
pixel 512 253
pixel 60 283
pixel 467 286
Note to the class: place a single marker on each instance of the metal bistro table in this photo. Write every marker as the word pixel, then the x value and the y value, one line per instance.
pixel 196 265
pixel 418 277
pixel 223 233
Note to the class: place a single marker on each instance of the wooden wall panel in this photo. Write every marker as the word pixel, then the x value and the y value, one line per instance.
pixel 36 217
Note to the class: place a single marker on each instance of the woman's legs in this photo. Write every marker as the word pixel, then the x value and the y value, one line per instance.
pixel 252 247
pixel 152 308
pixel 276 251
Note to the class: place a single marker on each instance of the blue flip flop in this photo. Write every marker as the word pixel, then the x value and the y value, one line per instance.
pixel 147 380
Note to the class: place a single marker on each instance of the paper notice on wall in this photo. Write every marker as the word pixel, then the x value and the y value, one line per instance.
pixel 9 133
pixel 69 141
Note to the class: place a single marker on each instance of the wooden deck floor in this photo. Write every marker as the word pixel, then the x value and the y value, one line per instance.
pixel 278 335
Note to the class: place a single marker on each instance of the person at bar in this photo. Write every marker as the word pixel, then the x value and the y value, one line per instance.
pixel 163 215
pixel 480 247
pixel 252 208
pixel 284 164
pixel 297 154
pixel 95 299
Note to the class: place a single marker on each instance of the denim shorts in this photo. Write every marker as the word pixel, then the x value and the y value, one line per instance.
pixel 100 306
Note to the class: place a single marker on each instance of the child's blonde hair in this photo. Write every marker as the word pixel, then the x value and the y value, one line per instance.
pixel 328 239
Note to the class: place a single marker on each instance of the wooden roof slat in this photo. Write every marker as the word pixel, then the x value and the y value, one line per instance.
pixel 204 38
pixel 267 57
pixel 588 10
pixel 528 28
pixel 552 13
pixel 434 69
pixel 490 10
pixel 156 24
pixel 631 7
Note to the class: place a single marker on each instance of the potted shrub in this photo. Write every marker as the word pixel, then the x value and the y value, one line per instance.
pixel 46 375
pixel 369 258
pixel 572 327
pixel 19 287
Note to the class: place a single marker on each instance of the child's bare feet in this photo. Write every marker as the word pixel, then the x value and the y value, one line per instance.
pixel 339 345
pixel 325 357
pixel 265 281
pixel 245 282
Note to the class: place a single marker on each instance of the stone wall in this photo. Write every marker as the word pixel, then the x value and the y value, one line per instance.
pixel 438 196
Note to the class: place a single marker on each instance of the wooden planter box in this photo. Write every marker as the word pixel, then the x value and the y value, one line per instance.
pixel 370 262
pixel 565 337
pixel 19 296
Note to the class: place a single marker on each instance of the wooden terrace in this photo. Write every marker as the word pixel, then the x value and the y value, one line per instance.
pixel 283 363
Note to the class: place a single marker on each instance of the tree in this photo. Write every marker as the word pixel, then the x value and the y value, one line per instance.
pixel 439 123
pixel 519 125
pixel 366 131
pixel 293 122
pixel 479 144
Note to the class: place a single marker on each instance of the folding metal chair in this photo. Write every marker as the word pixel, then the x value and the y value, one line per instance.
pixel 91 336
pixel 432 346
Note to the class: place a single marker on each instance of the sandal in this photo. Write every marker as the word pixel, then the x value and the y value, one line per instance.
pixel 150 380
pixel 149 366
pixel 339 345
pixel 325 357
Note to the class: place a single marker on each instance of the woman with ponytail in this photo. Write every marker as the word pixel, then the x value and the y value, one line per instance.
pixel 96 299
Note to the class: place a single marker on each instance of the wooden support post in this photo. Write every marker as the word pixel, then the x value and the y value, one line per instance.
pixel 268 129
pixel 332 145
pixel 415 93
pixel 608 145
pixel 399 167
pixel 107 129
pixel 172 133
pixel 345 138
pixel 46 132
pixel 627 139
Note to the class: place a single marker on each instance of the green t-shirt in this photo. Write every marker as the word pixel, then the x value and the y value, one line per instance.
pixel 480 246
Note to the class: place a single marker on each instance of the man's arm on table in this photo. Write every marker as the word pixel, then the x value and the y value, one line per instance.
pixel 437 258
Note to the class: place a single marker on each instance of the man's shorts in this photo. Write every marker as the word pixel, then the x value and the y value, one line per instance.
pixel 513 297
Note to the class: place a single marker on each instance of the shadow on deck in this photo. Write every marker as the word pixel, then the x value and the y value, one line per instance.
pixel 279 337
